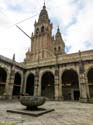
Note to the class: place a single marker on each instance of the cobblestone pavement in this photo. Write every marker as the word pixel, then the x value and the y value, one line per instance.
pixel 66 113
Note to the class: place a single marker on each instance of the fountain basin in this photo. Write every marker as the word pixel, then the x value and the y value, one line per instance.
pixel 32 102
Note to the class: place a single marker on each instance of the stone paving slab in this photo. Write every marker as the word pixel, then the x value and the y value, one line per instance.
pixel 40 111
pixel 66 113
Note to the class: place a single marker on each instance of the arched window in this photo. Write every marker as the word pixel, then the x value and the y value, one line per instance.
pixel 59 48
pixel 55 49
pixel 42 29
pixel 37 30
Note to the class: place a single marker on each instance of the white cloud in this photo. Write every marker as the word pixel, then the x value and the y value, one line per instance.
pixel 75 18
pixel 82 31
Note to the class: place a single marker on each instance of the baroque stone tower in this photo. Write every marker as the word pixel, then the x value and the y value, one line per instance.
pixel 43 44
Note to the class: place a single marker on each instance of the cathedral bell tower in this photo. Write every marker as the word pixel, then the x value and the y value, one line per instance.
pixel 43 45
pixel 59 45
pixel 41 40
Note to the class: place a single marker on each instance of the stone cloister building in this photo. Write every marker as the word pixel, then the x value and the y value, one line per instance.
pixel 47 69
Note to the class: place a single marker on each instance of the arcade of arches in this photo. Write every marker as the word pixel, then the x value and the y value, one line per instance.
pixel 70 86
pixel 65 76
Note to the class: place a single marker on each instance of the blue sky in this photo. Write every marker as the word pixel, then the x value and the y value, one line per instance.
pixel 74 17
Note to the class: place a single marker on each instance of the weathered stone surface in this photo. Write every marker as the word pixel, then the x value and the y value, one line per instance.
pixel 32 102
pixel 38 112
pixel 66 113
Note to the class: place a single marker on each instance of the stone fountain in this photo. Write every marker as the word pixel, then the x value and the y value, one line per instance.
pixel 32 102
pixel 32 106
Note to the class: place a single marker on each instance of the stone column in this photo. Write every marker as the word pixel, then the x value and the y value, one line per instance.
pixel 10 83
pixel 82 80
pixel 60 86
pixel 39 84
pixel 6 91
pixel 36 87
pixel 87 86
pixel 23 82
pixel 83 89
pixel 56 84
pixel 36 83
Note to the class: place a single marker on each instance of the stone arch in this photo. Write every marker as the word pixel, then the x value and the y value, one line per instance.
pixel 70 85
pixel 89 68
pixel 30 84
pixel 47 84
pixel 17 84
pixel 90 81
pixel 3 78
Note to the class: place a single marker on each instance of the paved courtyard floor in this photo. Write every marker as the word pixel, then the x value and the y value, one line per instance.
pixel 66 113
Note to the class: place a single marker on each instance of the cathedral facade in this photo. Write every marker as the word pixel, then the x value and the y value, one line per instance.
pixel 47 69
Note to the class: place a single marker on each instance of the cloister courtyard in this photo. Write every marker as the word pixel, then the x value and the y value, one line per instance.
pixel 49 70
pixel 66 113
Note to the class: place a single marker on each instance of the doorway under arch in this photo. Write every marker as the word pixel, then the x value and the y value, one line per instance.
pixel 47 85
pixel 70 85
pixel 3 77
pixel 17 84
pixel 90 81
pixel 30 84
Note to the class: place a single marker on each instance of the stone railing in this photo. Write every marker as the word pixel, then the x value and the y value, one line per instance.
pixel 67 58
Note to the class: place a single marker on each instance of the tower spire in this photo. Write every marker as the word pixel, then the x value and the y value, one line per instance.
pixel 44 6
pixel 44 3
pixel 43 16
pixel 58 30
